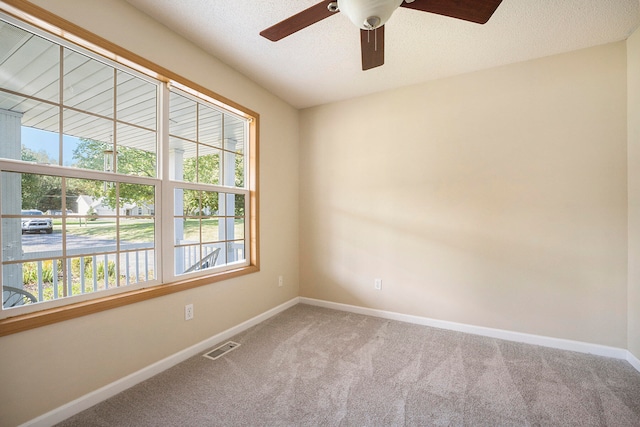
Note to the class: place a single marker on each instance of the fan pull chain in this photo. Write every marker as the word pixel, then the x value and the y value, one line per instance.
pixel 375 38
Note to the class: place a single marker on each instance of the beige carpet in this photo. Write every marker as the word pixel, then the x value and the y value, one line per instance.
pixel 312 366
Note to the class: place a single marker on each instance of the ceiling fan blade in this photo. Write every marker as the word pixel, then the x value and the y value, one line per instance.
pixel 372 46
pixel 298 21
pixel 478 11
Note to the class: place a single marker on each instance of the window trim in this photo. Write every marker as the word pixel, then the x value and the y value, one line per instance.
pixel 51 23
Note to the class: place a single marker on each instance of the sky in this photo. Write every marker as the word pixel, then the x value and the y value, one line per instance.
pixel 40 140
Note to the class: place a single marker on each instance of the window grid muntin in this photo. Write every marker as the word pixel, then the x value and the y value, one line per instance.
pixel 221 218
pixel 67 51
pixel 196 140
pixel 189 134
pixel 114 67
pixel 150 75
pixel 65 257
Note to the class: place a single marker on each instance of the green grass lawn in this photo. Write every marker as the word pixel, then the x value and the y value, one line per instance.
pixel 142 230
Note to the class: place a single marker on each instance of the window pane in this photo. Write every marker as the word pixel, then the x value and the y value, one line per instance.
pixel 137 228
pixel 138 266
pixel 40 146
pixel 101 271
pixel 240 203
pixel 29 206
pixel 187 258
pixel 233 170
pixel 200 241
pixel 91 227
pixel 191 202
pixel 20 140
pixel 178 197
pixel 95 235
pixel 38 244
pixel 43 279
pixel 87 126
pixel 191 231
pixel 189 169
pixel 137 237
pixel 238 227
pixel 136 137
pixel 234 205
pixel 89 197
pixel 136 101
pixel 136 149
pixel 234 133
pixel 178 227
pixel 30 226
pixel 239 171
pixel 211 232
pixel 90 154
pixel 220 230
pixel 208 165
pixel 88 84
pixel 183 160
pixel 30 64
pixel 182 117
pixel 210 126
pixel 82 274
pixel 197 257
pixel 236 251
pixel 209 203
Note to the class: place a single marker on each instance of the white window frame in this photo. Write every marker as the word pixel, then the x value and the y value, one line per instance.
pixel 39 22
pixel 172 185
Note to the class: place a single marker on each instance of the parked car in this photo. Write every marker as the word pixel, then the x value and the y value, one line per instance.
pixel 32 224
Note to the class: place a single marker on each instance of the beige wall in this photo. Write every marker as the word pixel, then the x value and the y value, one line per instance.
pixel 633 88
pixel 496 198
pixel 45 368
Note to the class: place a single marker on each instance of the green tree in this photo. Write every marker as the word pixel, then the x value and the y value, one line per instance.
pixel 207 169
pixel 39 191
pixel 90 154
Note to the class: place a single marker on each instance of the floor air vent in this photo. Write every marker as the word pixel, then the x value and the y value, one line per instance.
pixel 223 349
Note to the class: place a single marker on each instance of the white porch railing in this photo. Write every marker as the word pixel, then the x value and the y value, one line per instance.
pixel 89 273
pixel 135 264
pixel 192 255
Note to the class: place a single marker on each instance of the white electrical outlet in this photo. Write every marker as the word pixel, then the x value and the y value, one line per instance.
pixel 188 312
pixel 377 284
pixel 280 281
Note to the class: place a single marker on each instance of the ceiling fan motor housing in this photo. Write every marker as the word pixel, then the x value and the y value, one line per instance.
pixel 368 14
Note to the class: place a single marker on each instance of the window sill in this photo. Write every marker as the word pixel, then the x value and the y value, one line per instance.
pixel 24 322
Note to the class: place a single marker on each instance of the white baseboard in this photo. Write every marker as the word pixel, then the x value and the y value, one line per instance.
pixel 70 409
pixel 633 361
pixel 562 344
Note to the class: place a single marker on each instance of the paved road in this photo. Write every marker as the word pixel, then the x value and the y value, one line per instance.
pixel 52 242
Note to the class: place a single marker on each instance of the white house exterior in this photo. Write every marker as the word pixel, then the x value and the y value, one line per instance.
pixel 85 203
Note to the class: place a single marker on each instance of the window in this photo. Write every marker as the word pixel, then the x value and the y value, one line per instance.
pixel 96 148
pixel 207 146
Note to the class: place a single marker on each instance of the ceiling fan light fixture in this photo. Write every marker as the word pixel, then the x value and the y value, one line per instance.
pixel 372 22
pixel 368 14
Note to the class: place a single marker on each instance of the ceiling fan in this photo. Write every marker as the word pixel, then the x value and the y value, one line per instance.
pixel 371 15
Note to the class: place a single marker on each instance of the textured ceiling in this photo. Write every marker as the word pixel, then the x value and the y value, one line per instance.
pixel 321 63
